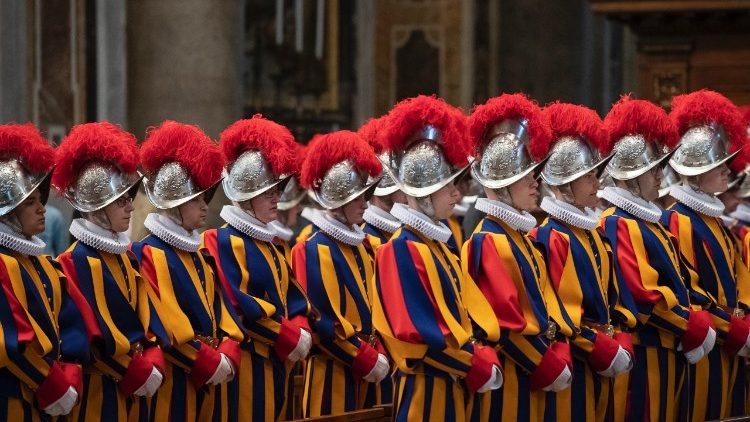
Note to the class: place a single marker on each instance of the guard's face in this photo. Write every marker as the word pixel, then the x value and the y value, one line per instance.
pixel 30 214
pixel 649 183
pixel 524 193
pixel 715 180
pixel 584 190
pixel 194 213
pixel 355 210
pixel 264 206
pixel 444 200
pixel 118 213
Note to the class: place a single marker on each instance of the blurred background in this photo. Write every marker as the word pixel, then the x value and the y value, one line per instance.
pixel 322 65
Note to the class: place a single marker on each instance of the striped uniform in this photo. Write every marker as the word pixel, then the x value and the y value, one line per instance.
pixel 184 282
pixel 41 328
pixel 578 262
pixel 722 287
pixel 456 242
pixel 334 276
pixel 511 274
pixel 121 317
pixel 423 308
pixel 260 286
pixel 646 259
pixel 382 392
pixel 741 231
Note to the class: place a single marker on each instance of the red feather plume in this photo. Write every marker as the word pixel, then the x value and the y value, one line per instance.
pixel 575 120
pixel 273 140
pixel 186 144
pixel 25 143
pixel 324 151
pixel 410 115
pixel 101 141
pixel 371 132
pixel 511 106
pixel 641 117
pixel 745 110
pixel 705 106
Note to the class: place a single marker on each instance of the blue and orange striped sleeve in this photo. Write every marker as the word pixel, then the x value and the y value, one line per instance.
pixel 488 260
pixel 657 303
pixel 319 278
pixel 411 313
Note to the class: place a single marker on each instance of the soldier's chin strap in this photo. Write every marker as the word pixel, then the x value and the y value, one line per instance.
pixel 98 217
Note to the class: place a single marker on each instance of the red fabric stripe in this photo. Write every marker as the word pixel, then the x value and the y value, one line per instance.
pixel 147 269
pixel 299 258
pixel 366 359
pixel 628 264
pixel 394 303
pixel 287 340
pixel 25 332
pixel 498 286
pixel 419 265
pixel 558 251
pixel 89 318
pixel 211 243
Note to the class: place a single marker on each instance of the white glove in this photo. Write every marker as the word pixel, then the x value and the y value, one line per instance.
pixel 622 362
pixel 224 372
pixel 745 351
pixel 562 381
pixel 153 382
pixel 693 356
pixel 495 381
pixel 379 371
pixel 302 348
pixel 64 404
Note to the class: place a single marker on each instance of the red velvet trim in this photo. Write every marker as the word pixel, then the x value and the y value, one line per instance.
pixel 482 361
pixel 365 360
pixel 287 339
pixel 136 375
pixel 231 349
pixel 562 349
pixel 155 356
pixel 605 350
pixel 548 370
pixel 626 342
pixel 697 328
pixel 205 365
pixel 74 375
pixel 302 322
pixel 53 387
pixel 737 335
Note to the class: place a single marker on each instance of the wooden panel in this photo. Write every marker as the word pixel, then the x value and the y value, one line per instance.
pixel 625 6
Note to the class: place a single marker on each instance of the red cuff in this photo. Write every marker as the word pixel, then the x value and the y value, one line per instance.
pixel 365 360
pixel 231 349
pixel 302 322
pixel 548 370
pixel 287 339
pixel 74 375
pixel 562 349
pixel 155 356
pixel 205 365
pixel 626 342
pixel 737 335
pixel 136 375
pixel 605 350
pixel 482 361
pixel 697 328
pixel 53 387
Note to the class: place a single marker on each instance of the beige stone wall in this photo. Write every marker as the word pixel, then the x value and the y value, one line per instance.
pixel 183 64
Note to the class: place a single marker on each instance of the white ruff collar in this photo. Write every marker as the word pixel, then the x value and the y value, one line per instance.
pixel 282 232
pixel 98 237
pixel 349 235
pixel 381 219
pixel 17 242
pixel 247 224
pixel 422 223
pixel 174 234
pixel 698 201
pixel 633 205
pixel 523 221
pixel 569 214
pixel 742 213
